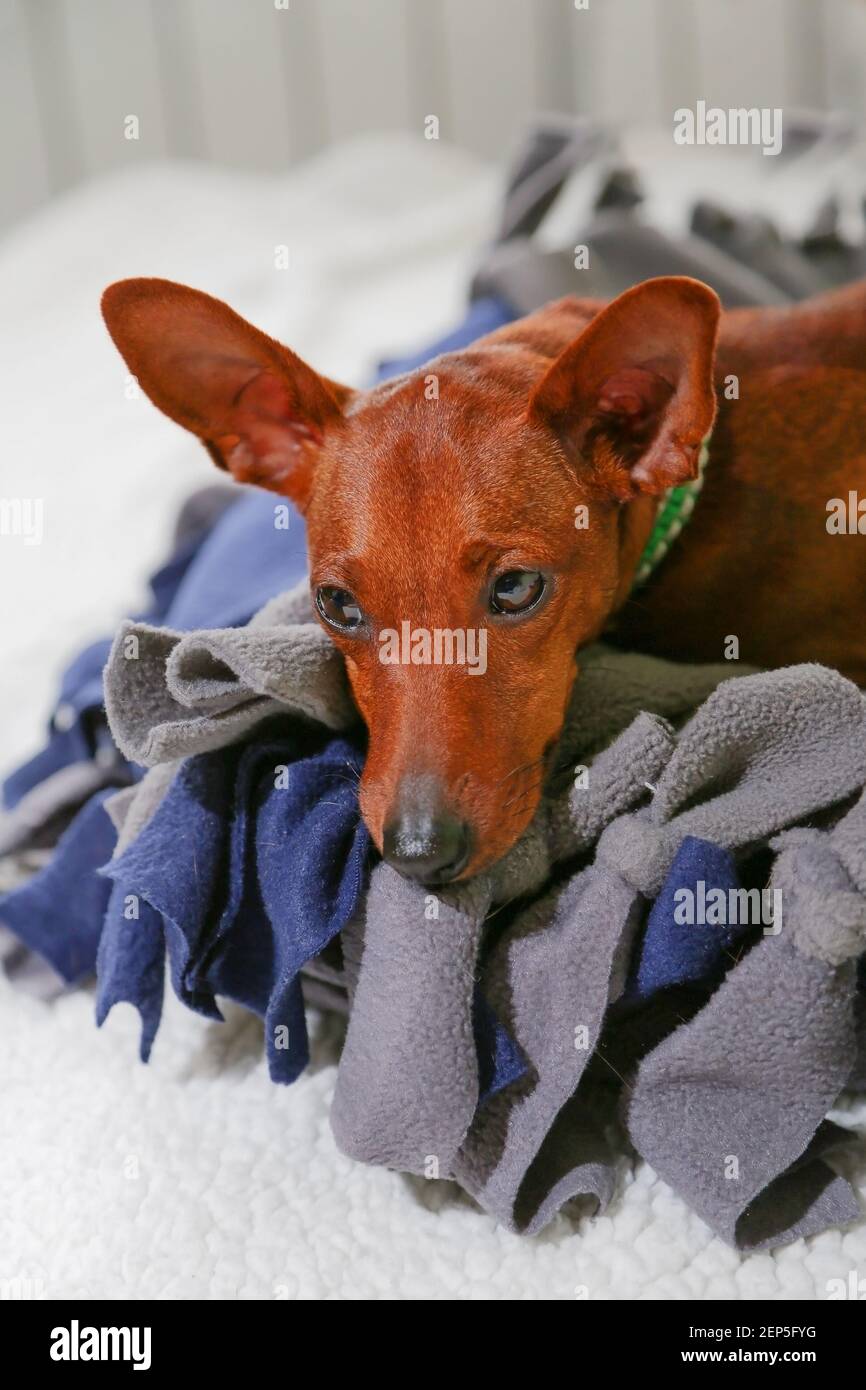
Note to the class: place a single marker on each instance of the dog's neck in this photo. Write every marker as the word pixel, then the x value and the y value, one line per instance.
pixel 648 528
pixel 675 508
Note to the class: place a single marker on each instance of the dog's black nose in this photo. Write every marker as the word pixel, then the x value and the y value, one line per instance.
pixel 432 848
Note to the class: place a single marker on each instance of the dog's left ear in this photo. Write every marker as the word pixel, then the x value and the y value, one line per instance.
pixel 260 411
pixel 632 398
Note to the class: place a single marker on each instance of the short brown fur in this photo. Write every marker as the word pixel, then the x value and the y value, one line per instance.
pixel 413 503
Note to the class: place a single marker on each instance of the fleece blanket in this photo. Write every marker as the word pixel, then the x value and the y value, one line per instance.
pixel 667 1266
pixel 470 1048
pixel 729 1104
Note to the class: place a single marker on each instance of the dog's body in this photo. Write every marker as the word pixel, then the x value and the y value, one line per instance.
pixel 448 499
pixel 757 559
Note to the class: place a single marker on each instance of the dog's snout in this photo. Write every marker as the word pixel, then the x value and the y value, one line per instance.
pixel 431 847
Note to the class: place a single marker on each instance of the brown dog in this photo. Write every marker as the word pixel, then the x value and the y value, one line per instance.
pixel 448 500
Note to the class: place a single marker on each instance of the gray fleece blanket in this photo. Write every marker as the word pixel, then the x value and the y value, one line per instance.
pixel 724 1083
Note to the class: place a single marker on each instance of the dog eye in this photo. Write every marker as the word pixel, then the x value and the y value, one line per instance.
pixel 339 608
pixel 516 591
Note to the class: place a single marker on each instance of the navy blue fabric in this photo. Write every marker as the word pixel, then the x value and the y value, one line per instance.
pixel 72 733
pixel 675 953
pixel 59 912
pixel 500 1060
pixel 236 882
pixel 130 964
pixel 219 580
pixel 243 562
pixel 77 728
pixel 242 876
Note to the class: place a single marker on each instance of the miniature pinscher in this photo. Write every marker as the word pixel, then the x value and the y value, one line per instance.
pixel 508 490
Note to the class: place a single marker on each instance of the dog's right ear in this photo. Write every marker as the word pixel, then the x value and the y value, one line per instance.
pixel 632 398
pixel 261 412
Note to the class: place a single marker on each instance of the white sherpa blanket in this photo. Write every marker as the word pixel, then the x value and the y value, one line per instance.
pixel 196 1177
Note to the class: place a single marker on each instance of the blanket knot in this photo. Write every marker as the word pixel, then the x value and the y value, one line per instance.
pixel 823 910
pixel 637 850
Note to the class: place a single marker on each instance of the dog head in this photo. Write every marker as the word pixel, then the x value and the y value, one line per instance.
pixel 470 525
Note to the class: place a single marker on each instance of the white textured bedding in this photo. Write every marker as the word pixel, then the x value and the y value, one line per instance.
pixel 196 1177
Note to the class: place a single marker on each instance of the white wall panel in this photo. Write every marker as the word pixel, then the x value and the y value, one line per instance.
pixel 364 56
pixel 26 180
pixel 241 80
pixel 491 47
pixel 113 73
pixel 247 84
pixel 626 40
pixel 744 52
pixel 845 50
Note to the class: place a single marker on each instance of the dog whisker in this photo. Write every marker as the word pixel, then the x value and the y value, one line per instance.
pixel 524 767
pixel 527 791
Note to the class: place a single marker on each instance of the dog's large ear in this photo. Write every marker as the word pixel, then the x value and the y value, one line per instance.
pixel 260 410
pixel 632 398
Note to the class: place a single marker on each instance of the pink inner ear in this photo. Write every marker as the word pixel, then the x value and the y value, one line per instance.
pixel 266 435
pixel 267 398
pixel 633 394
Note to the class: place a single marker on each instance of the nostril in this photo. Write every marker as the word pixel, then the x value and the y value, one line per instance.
pixel 430 848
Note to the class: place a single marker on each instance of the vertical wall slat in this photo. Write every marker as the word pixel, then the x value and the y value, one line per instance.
pixel 491 46
pixel 23 155
pixel 364 55
pixel 806 55
pixel 304 79
pixel 557 28
pixel 179 80
pixel 576 32
pixel 113 74
pixel 626 45
pixel 59 119
pixel 743 52
pixel 845 40
pixel 241 74
pixel 682 73
pixel 429 77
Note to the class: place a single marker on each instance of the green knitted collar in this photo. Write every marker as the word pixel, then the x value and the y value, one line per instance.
pixel 677 506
